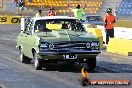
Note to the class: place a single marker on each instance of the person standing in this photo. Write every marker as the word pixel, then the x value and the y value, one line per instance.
pixel 21 5
pixel 39 13
pixel 52 12
pixel 78 11
pixel 15 2
pixel 30 0
pixel 109 20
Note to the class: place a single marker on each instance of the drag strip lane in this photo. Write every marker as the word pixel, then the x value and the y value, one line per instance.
pixel 26 74
pixel 13 73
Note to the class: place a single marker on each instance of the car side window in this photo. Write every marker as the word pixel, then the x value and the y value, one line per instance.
pixel 40 26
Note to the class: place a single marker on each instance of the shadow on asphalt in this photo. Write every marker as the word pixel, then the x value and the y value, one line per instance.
pixel 102 67
pixel 68 68
pixel 114 67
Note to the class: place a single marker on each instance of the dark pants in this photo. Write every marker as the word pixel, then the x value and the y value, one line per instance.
pixel 109 33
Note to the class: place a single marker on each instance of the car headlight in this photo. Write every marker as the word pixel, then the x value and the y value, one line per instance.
pixel 44 45
pixel 94 44
pixel 88 45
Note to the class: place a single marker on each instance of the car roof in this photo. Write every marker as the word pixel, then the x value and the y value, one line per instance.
pixel 53 17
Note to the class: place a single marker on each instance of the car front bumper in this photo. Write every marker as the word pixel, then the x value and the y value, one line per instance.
pixel 71 51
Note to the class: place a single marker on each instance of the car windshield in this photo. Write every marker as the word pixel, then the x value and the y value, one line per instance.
pixel 94 18
pixel 58 24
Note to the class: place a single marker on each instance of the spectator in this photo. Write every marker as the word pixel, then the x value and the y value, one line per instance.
pixel 39 13
pixel 42 28
pixel 30 0
pixel 52 12
pixel 21 5
pixel 15 2
pixel 78 11
pixel 109 20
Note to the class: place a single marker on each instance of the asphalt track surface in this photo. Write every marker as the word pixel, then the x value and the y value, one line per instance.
pixel 14 74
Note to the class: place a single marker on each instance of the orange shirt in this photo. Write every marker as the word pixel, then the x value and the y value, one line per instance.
pixel 109 20
pixel 52 13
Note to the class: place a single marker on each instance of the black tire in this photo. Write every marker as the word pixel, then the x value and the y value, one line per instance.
pixel 37 62
pixel 23 58
pixel 70 62
pixel 91 63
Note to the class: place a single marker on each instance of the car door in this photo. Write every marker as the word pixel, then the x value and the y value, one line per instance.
pixel 20 40
pixel 29 40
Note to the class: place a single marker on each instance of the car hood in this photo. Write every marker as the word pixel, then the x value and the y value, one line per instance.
pixel 66 35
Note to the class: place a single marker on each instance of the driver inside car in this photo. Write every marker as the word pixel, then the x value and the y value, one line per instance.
pixel 64 26
pixel 42 28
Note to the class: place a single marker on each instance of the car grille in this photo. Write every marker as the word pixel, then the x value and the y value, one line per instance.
pixel 64 45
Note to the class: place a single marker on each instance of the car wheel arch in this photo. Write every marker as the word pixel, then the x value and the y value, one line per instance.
pixel 20 47
pixel 33 51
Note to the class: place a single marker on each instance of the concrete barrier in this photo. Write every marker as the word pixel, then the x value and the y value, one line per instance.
pixel 120 46
pixel 10 19
pixel 122 43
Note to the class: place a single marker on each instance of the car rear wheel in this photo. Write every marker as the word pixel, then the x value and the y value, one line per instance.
pixel 23 58
pixel 37 62
pixel 91 63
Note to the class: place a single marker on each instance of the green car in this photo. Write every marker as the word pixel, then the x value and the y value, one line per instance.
pixel 53 39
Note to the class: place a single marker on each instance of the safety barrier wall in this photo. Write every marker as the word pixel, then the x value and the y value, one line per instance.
pixel 122 43
pixel 10 19
pixel 120 46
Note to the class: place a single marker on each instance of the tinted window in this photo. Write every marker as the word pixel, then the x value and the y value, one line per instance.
pixel 57 24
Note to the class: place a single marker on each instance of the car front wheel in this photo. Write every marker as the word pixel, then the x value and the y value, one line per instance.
pixel 23 58
pixel 37 62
